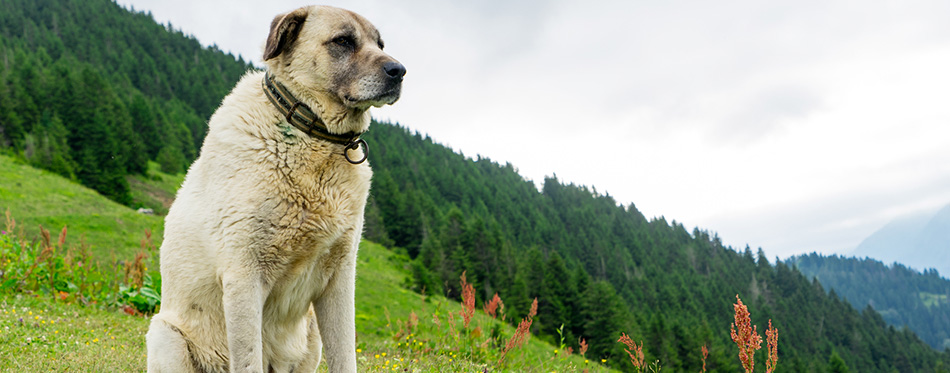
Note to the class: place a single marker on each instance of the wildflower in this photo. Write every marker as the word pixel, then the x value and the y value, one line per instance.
pixel 492 306
pixel 377 356
pixel 636 355
pixel 771 336
pixel 95 340
pixel 384 354
pixel 534 309
pixel 358 350
pixel 705 354
pixel 745 336
pixel 603 361
pixel 520 336
pixel 468 301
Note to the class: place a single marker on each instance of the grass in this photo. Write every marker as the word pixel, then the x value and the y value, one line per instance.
pixel 37 197
pixel 386 341
pixel 39 335
pixel 154 190
pixel 932 300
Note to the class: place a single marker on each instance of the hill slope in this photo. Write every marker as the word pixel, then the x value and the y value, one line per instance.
pixel 919 241
pixel 903 296
pixel 36 197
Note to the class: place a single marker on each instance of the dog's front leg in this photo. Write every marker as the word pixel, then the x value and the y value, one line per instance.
pixel 336 317
pixel 243 307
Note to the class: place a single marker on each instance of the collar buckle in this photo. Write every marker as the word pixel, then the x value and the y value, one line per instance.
pixel 353 145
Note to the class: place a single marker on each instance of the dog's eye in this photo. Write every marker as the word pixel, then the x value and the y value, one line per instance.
pixel 344 41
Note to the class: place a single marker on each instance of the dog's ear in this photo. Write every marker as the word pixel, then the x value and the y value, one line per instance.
pixel 283 32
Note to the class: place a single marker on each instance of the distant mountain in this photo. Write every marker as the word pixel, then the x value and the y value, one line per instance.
pixel 919 241
pixel 903 296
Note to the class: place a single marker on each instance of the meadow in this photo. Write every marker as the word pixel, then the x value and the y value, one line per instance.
pixel 78 297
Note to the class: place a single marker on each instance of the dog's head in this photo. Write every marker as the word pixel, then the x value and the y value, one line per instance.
pixel 336 56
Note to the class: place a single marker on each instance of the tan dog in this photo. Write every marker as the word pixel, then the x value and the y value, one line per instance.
pixel 259 255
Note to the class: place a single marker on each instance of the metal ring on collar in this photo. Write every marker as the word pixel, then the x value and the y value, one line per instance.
pixel 353 145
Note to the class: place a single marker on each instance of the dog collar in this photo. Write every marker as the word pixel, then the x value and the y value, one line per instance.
pixel 301 116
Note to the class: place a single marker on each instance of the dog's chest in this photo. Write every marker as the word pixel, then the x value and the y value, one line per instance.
pixel 319 200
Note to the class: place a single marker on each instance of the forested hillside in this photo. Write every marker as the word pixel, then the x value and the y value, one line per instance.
pixel 597 267
pixel 901 295
pixel 93 91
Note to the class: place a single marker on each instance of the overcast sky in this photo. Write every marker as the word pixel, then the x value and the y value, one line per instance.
pixel 795 126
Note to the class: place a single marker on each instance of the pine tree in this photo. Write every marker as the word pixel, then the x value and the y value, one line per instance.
pixel 836 364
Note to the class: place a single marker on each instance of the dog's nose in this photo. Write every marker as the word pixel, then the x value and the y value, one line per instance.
pixel 394 70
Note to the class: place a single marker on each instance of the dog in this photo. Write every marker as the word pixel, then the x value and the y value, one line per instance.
pixel 259 254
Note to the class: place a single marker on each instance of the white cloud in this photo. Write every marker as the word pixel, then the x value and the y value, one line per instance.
pixel 792 125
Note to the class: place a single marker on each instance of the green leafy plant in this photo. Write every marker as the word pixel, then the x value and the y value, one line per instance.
pixel 69 273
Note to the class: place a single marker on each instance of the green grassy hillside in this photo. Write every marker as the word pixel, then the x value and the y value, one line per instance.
pixel 396 328
pixel 35 197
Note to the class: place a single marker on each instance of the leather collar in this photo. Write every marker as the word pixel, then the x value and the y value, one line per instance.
pixel 301 116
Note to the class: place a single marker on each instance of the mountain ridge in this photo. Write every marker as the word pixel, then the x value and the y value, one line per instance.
pixel 920 241
pixel 903 296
